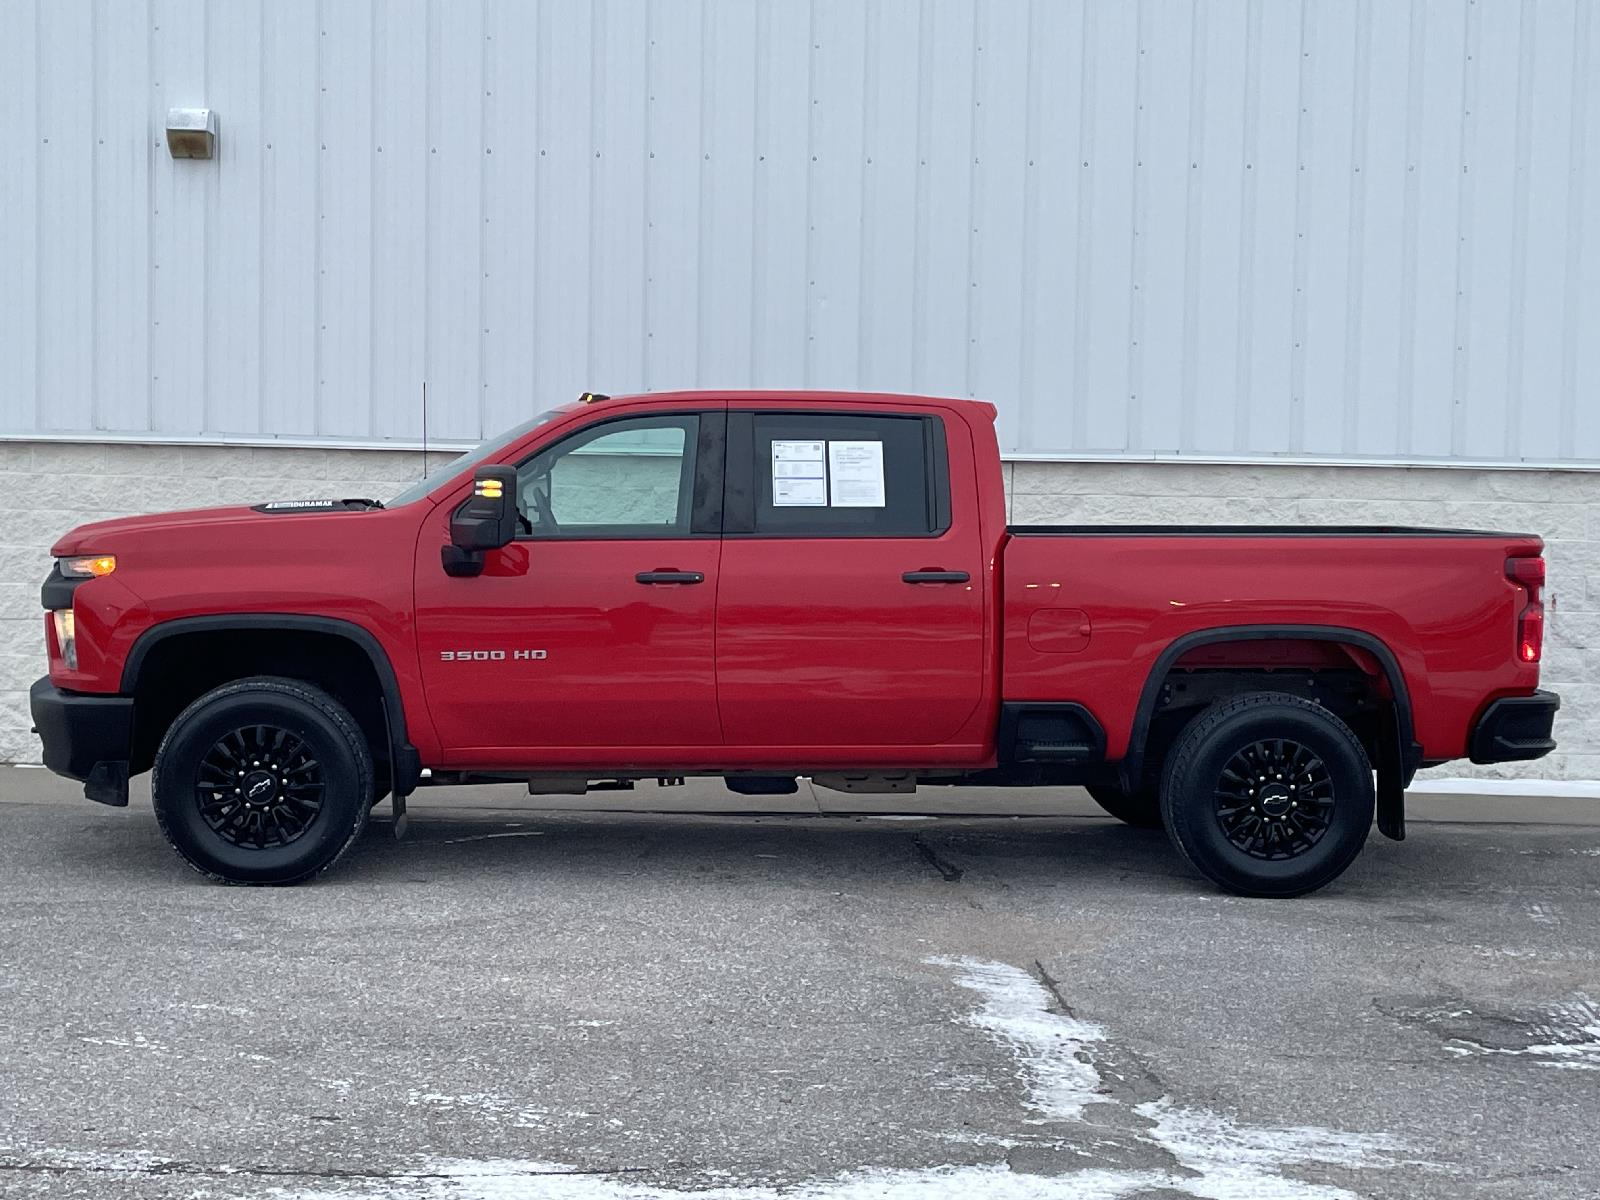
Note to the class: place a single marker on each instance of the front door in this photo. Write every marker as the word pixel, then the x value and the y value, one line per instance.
pixel 594 630
pixel 851 609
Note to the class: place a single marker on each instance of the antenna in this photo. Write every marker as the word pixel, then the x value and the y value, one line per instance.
pixel 424 428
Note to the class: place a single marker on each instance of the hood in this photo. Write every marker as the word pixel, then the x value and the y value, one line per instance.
pixel 101 536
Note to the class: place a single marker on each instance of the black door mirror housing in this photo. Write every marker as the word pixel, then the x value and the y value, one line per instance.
pixel 485 521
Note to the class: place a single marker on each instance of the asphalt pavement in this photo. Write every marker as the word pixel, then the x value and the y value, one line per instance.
pixel 587 1005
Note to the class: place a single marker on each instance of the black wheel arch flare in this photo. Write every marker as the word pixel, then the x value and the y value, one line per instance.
pixel 405 762
pixel 1398 758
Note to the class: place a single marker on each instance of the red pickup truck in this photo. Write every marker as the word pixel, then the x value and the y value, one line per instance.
pixel 762 586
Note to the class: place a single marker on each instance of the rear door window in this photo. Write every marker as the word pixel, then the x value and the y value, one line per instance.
pixel 825 474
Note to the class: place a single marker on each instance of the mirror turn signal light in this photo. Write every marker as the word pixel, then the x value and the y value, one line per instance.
pixel 489 489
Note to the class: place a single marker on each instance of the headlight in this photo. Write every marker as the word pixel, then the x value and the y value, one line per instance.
pixel 90 566
pixel 67 636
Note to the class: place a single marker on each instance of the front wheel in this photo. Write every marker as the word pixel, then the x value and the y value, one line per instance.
pixel 263 781
pixel 1268 795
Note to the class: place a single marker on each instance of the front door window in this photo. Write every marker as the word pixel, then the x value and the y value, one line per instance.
pixel 623 479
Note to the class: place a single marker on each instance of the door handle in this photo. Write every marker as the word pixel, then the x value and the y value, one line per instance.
pixel 670 577
pixel 930 575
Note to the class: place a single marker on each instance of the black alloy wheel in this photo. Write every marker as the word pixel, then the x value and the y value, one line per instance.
pixel 1275 799
pixel 260 786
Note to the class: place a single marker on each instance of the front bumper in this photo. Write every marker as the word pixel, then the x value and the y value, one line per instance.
pixel 88 738
pixel 1515 728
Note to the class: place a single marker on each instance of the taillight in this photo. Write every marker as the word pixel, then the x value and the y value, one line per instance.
pixel 1529 574
pixel 1530 632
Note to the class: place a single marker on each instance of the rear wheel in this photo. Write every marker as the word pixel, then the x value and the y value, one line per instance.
pixel 263 781
pixel 1142 809
pixel 1268 795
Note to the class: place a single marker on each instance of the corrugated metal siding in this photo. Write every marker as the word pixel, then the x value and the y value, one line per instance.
pixel 1231 228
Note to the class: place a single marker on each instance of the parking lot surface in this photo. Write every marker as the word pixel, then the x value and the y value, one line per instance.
pixel 584 1005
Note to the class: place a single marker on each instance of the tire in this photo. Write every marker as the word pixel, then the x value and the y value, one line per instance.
pixel 1268 795
pixel 295 745
pixel 1142 810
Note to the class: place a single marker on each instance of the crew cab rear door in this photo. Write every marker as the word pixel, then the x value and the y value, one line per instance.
pixel 851 606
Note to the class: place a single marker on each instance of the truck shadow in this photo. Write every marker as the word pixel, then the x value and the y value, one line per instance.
pixel 523 851
pixel 1020 862
pixel 850 852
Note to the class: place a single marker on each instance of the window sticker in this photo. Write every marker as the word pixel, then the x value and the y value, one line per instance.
pixel 799 475
pixel 855 471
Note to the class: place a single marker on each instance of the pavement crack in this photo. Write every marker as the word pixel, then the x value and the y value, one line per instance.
pixel 946 868
pixel 1053 987
pixel 1125 1076
pixel 181 1167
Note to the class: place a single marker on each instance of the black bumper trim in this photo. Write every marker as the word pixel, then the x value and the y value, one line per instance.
pixel 85 737
pixel 1515 728
pixel 57 590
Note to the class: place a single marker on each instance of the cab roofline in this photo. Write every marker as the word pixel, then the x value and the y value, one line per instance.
pixel 800 396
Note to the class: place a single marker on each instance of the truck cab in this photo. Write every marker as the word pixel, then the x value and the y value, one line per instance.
pixel 679 589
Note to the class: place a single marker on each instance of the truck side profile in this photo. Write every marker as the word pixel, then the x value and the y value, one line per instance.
pixel 764 586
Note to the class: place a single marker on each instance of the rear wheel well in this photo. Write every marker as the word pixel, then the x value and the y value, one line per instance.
pixel 184 666
pixel 1344 678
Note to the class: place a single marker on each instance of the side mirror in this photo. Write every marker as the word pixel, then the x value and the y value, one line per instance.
pixel 486 521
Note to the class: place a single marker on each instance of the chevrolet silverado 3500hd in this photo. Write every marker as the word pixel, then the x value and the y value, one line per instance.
pixel 762 586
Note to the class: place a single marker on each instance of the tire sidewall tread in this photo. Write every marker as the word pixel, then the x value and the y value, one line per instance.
pixel 1188 794
pixel 172 784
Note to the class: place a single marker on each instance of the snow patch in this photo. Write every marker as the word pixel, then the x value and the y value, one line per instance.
pixel 1573 1033
pixel 1049 1047
pixel 501 1179
pixel 1233 1161
pixel 505 1179
pixel 1585 789
pixel 1243 1162
pixel 1222 1159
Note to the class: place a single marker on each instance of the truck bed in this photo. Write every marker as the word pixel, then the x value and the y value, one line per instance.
pixel 1092 611
pixel 1384 531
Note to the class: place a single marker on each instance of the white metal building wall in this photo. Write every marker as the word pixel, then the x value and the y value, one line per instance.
pixel 1324 228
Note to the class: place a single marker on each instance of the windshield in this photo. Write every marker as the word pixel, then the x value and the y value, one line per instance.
pixel 480 453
